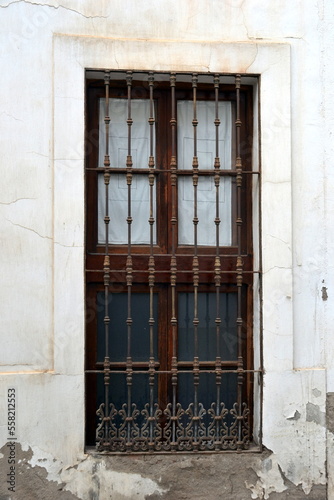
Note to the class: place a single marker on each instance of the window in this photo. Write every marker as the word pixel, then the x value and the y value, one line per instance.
pixel 169 262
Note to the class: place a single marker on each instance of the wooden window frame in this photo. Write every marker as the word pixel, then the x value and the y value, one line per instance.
pixel 162 250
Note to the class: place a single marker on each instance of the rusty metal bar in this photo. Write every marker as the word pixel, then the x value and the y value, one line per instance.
pixel 129 270
pixel 195 264
pixel 239 265
pixel 102 431
pixel 107 259
pixel 151 265
pixel 173 263
pixel 180 271
pixel 217 269
pixel 206 172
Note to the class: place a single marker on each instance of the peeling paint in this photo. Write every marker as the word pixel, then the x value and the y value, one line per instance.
pixel 269 480
pixel 314 414
pixel 154 477
pixel 330 412
pixel 324 294
pixel 296 416
pixel 94 476
pixel 316 393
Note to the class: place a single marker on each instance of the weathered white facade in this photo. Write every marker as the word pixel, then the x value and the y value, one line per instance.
pixel 45 49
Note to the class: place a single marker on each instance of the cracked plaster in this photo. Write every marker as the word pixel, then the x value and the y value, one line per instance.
pixel 155 477
pixel 309 426
pixel 16 201
pixel 56 6
pixel 35 232
pixel 314 414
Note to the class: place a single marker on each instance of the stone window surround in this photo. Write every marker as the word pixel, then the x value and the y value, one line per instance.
pixel 271 62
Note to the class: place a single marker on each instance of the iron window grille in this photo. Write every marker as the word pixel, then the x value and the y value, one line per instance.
pixel 169 262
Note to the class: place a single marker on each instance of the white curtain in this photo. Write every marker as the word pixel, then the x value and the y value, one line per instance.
pixel 118 189
pixel 206 152
pixel 140 150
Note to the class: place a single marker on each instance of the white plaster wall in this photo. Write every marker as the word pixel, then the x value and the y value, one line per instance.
pixel 41 196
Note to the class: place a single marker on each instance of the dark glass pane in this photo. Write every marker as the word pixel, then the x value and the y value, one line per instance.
pixel 140 332
pixel 207 343
pixel 207 389
pixel 118 393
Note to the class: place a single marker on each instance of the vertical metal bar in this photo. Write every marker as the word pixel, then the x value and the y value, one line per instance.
pixel 129 270
pixel 106 264
pixel 151 263
pixel 239 265
pixel 195 263
pixel 173 264
pixel 217 265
